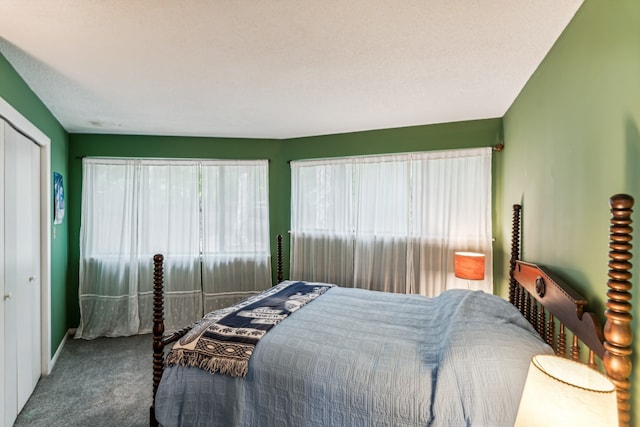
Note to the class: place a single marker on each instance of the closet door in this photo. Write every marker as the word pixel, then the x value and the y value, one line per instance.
pixel 22 326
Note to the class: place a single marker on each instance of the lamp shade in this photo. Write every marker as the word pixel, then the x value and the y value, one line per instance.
pixel 561 392
pixel 469 265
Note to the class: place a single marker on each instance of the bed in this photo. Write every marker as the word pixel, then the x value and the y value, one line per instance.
pixel 353 357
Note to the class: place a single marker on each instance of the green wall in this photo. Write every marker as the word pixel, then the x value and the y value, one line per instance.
pixel 571 141
pixel 15 91
pixel 279 152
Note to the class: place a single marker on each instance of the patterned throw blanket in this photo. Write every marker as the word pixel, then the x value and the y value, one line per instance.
pixel 223 340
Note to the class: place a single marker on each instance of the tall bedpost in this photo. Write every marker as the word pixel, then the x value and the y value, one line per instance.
pixel 515 252
pixel 279 262
pixel 158 330
pixel 617 330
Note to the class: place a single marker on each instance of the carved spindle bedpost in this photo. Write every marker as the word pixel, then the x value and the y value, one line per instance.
pixel 561 348
pixel 515 253
pixel 279 262
pixel 542 317
pixel 575 349
pixel 617 329
pixel 551 331
pixel 158 330
pixel 592 360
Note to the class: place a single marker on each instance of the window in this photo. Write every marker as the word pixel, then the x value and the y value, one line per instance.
pixel 209 218
pixel 392 222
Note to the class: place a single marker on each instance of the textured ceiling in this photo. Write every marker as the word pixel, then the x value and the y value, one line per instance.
pixel 276 69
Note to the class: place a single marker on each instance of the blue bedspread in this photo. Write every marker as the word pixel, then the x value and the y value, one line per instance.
pixel 363 358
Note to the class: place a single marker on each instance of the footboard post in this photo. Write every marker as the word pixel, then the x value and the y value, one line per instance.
pixel 617 330
pixel 279 259
pixel 515 253
pixel 158 331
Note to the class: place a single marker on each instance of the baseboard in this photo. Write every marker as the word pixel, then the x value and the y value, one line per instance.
pixel 70 333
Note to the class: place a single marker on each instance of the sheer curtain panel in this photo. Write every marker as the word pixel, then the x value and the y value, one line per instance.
pixel 236 249
pixel 322 212
pixel 392 222
pixel 132 209
pixel 135 208
pixel 169 223
pixel 451 211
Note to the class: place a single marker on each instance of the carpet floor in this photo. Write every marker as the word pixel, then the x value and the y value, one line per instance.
pixel 104 382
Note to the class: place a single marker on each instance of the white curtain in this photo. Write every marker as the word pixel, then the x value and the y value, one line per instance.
pixel 322 221
pixel 133 209
pixel 236 248
pixel 393 222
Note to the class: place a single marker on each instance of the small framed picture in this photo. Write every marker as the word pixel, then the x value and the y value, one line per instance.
pixel 58 198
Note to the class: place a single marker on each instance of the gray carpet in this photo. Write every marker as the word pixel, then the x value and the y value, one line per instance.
pixel 103 382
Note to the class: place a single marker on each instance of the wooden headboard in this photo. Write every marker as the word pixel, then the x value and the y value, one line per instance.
pixel 549 303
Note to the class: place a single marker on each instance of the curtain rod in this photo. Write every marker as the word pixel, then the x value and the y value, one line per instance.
pixel 162 158
pixel 497 147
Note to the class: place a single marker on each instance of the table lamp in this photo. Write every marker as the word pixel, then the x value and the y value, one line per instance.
pixel 469 265
pixel 562 392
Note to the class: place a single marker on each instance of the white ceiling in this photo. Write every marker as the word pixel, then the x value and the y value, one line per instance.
pixel 276 69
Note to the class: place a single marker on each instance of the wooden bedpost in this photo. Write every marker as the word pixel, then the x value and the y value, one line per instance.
pixel 279 262
pixel 617 329
pixel 515 253
pixel 158 330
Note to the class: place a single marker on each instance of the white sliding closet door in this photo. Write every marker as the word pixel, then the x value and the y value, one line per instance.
pixel 21 334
